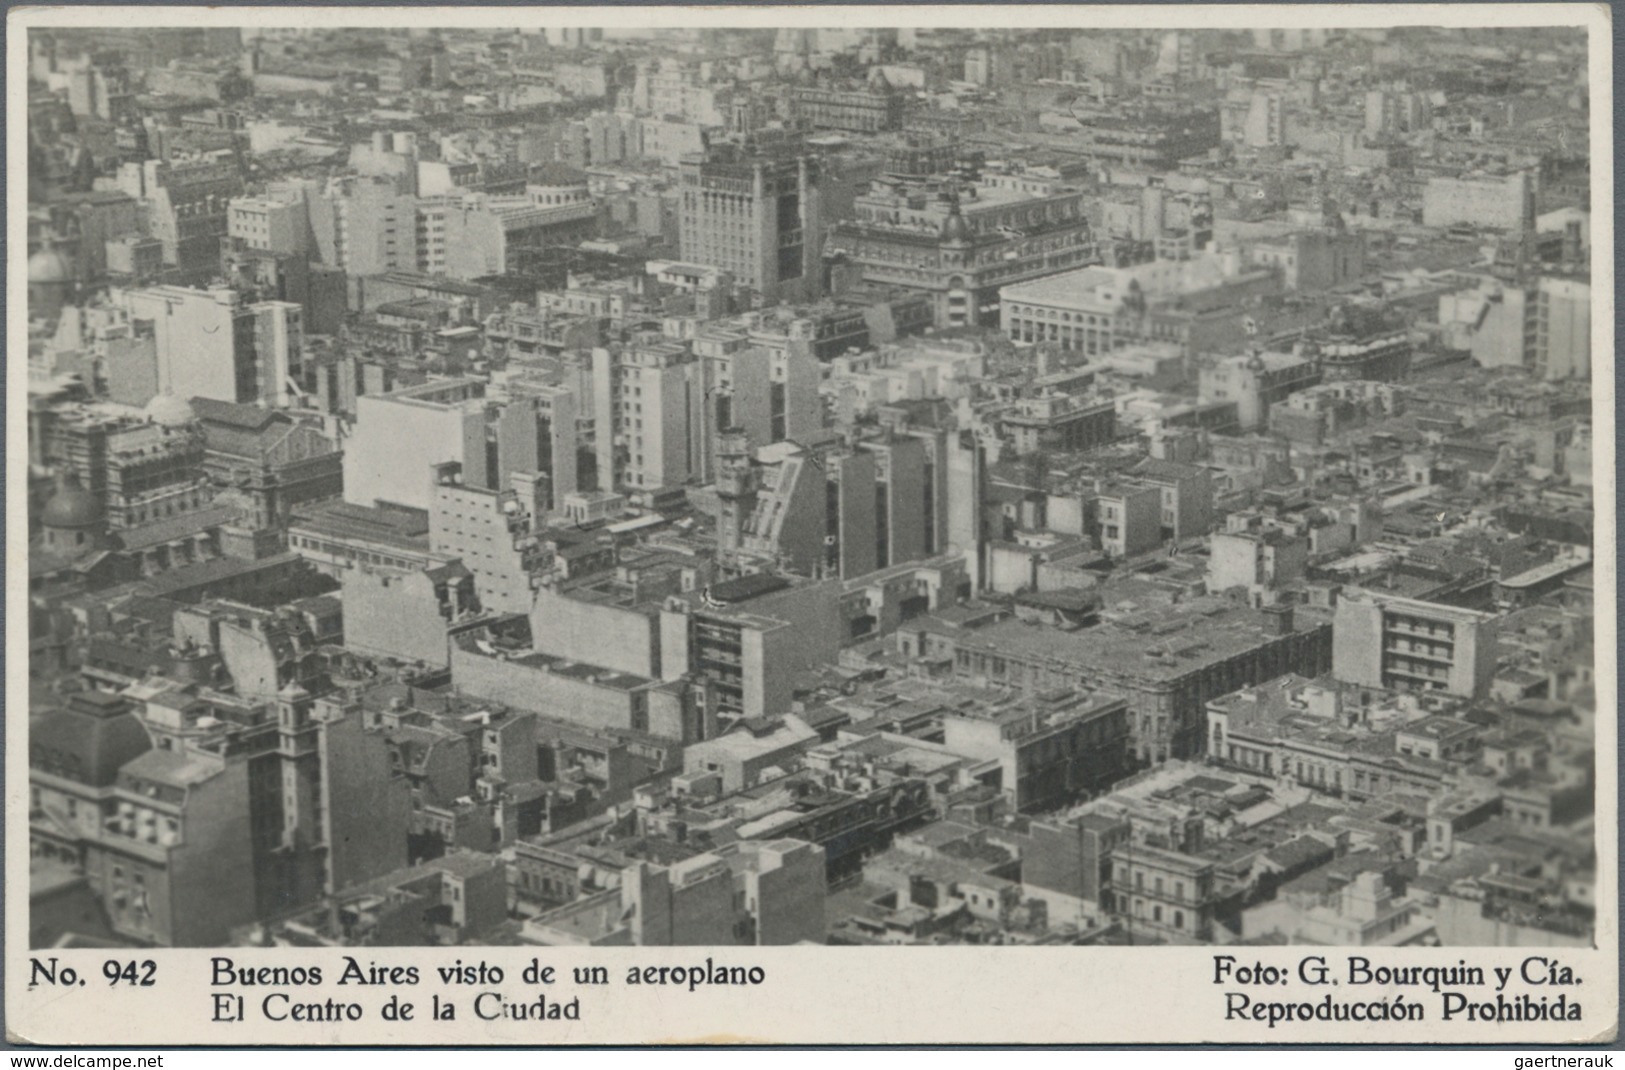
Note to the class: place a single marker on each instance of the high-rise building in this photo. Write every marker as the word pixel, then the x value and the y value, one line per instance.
pixel 490 532
pixel 755 211
pixel 102 90
pixel 538 434
pixel 1265 125
pixel 1543 324
pixel 1396 111
pixel 470 235
pixel 649 399
pixel 745 640
pixel 400 436
pixel 674 86
pixel 1405 644
pixel 760 382
pixel 318 289
pixel 1562 347
pixel 187 209
pixel 212 344
pixel 364 227
pixel 841 512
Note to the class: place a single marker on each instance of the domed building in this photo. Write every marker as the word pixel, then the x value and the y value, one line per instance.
pixel 556 184
pixel 167 410
pixel 50 282
pixel 73 522
pixel 73 548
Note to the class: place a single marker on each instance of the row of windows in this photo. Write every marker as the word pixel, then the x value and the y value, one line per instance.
pixel 1140 882
pixel 1314 774
pixel 305 542
pixel 1064 317
pixel 1155 914
pixel 1088 340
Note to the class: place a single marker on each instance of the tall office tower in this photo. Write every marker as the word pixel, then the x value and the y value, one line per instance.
pixel 755 211
pixel 838 512
pixel 212 344
pixel 648 399
pixel 765 387
pixel 365 227
pixel 537 433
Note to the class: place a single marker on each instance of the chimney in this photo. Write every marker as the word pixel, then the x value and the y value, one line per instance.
pixel 1278 620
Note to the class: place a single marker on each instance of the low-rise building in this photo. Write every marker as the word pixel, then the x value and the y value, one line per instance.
pixel 1052 749
pixel 1167 665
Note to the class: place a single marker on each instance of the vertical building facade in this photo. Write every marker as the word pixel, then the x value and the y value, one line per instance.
pixel 212 344
pixel 490 532
pixel 400 436
pixel 757 215
pixel 1405 644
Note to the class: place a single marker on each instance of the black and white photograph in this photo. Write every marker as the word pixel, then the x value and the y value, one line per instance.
pixel 582 486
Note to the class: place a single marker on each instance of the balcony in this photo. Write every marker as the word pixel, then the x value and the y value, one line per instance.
pixel 1404 626
pixel 1439 678
pixel 714 655
pixel 1440 653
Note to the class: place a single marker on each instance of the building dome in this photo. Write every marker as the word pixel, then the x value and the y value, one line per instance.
pixel 170 411
pixel 557 175
pixel 954 228
pixel 49 267
pixel 72 506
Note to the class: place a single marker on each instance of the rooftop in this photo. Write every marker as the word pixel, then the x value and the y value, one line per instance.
pixel 396 527
pixel 1184 639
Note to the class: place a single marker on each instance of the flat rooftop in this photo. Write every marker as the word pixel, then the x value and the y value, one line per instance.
pixel 346 520
pixel 1069 286
pixel 1191 637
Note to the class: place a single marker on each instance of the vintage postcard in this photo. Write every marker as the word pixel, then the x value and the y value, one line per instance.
pixel 572 526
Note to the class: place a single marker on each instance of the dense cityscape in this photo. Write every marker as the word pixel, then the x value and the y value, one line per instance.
pixel 760 487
